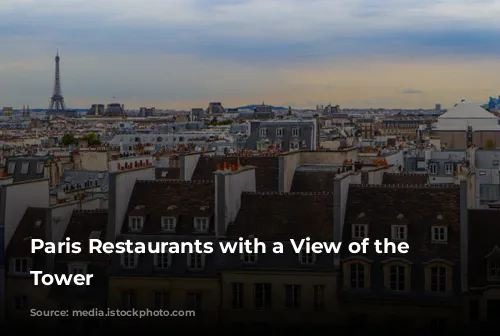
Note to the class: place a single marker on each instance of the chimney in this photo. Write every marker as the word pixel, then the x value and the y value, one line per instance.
pixel 229 185
pixel 340 191
pixel 49 237
pixel 464 233
pixel 337 220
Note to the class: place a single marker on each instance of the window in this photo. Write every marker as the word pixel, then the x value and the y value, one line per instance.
pixel 21 302
pixel 196 261
pixel 294 145
pixel 237 292
pixel 494 272
pixel 77 269
pixel 161 300
pixel 279 132
pixel 448 169
pixel 168 224
pixel 295 132
pixel 307 258
pixel 12 168
pixel 21 265
pixel 128 300
pixel 359 231
pixel 194 302
pixel 399 232
pixel 129 260
pixel 488 193
pixel 357 276
pixel 163 260
pixel 39 167
pixel 249 258
pixel 397 278
pixel 201 224
pixel 319 297
pixel 135 224
pixel 439 234
pixel 25 167
pixel 292 296
pixel 263 296
pixel 433 168
pixel 438 279
pixel 263 132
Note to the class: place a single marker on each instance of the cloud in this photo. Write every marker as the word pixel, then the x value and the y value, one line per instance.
pixel 258 30
pixel 412 91
pixel 191 50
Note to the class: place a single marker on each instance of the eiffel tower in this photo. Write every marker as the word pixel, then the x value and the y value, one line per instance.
pixel 57 100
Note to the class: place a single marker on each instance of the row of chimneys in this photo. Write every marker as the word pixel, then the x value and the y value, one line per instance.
pixel 136 164
pixel 227 166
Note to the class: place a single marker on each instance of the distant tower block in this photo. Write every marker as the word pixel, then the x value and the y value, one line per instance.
pixel 7 111
pixel 57 100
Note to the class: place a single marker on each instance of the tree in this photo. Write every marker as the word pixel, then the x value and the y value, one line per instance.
pixel 68 139
pixel 490 144
pixel 92 139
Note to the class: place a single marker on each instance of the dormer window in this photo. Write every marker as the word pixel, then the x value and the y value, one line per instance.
pixel 39 167
pixel 25 167
pixel 168 224
pixel 448 168
pixel 295 132
pixel 196 261
pixel 359 231
pixel 201 224
pixel 129 260
pixel 439 234
pixel 307 258
pixel 263 132
pixel 294 145
pixel 135 224
pixel 494 270
pixel 95 235
pixel 163 260
pixel 11 168
pixel 249 258
pixel 279 132
pixel 433 168
pixel 399 232
pixel 21 265
pixel 77 269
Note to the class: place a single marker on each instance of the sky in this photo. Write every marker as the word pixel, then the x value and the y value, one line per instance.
pixel 182 54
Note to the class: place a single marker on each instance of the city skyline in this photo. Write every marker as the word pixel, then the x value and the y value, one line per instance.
pixel 183 54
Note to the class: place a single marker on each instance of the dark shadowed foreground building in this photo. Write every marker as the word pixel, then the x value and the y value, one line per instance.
pixel 447 280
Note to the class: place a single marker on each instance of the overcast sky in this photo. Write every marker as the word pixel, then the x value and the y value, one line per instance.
pixel 186 53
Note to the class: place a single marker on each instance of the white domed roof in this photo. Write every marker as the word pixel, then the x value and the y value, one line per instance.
pixel 466 109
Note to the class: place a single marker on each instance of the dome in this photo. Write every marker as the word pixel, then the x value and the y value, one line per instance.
pixel 467 109
pixel 467 114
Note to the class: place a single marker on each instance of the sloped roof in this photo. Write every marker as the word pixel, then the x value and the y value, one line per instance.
pixel 183 200
pixel 484 230
pixel 31 226
pixel 266 172
pixel 466 109
pixel 405 179
pixel 282 216
pixel 421 207
pixel 74 177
